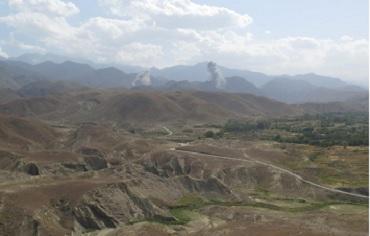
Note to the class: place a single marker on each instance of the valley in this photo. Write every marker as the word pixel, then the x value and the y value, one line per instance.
pixel 104 177
pixel 93 152
pixel 184 118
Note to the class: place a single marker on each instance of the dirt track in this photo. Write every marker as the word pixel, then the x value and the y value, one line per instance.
pixel 248 159
pixel 169 132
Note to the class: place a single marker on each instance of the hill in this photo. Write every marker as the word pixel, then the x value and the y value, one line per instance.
pixel 198 72
pixel 233 84
pixel 139 106
pixel 23 133
pixel 146 105
pixel 42 88
pixel 33 106
pixel 14 75
pixel 356 104
pixel 300 91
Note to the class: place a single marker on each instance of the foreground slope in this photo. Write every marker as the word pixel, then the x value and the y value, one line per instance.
pixel 94 179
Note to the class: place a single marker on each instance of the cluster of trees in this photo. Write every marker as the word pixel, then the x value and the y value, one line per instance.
pixel 246 126
pixel 211 134
pixel 334 137
pixel 321 130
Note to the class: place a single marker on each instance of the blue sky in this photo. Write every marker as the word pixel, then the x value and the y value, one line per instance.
pixel 328 37
pixel 315 18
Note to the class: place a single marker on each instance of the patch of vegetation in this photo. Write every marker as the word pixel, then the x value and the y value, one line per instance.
pixel 182 215
pixel 212 134
pixel 186 207
pixel 314 156
pixel 246 126
pixel 209 134
pixel 346 129
pixel 191 200
pixel 262 192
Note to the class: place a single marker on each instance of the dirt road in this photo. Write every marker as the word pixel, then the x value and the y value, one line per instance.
pixel 248 159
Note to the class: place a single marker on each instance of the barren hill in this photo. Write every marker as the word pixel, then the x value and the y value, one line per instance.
pixel 21 133
pixel 147 106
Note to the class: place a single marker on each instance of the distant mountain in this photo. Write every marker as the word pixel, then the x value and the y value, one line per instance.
pixel 321 81
pixel 42 88
pixel 238 84
pixel 356 104
pixel 198 72
pixel 14 75
pixel 36 58
pixel 289 90
pixel 125 68
pixel 86 75
pixel 67 70
pixel 233 84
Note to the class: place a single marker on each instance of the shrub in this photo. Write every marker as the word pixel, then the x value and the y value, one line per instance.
pixel 209 134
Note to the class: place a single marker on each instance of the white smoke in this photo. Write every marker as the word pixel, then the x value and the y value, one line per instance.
pixel 142 79
pixel 216 75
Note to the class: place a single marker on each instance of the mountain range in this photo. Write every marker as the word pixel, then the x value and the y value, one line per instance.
pixel 25 70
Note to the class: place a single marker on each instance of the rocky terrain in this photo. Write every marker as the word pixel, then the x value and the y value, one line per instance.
pixel 62 176
pixel 82 158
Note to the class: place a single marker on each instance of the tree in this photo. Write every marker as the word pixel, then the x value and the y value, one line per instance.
pixel 209 134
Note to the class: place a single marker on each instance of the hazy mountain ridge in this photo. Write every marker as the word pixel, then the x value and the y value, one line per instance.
pixel 36 58
pixel 289 89
pixel 196 72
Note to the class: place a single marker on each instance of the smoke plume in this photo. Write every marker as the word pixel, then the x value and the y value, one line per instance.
pixel 142 79
pixel 216 75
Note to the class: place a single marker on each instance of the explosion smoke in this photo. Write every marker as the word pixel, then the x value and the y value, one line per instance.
pixel 142 79
pixel 216 75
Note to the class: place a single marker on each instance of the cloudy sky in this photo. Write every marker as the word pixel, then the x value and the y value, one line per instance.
pixel 328 37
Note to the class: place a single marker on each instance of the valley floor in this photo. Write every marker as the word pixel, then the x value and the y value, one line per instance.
pixel 100 179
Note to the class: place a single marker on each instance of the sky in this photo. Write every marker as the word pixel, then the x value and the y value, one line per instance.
pixel 328 37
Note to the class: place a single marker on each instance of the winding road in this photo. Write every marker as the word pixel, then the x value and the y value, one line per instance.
pixel 169 132
pixel 248 159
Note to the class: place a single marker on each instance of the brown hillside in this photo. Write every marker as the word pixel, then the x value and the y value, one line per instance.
pixel 7 95
pixel 149 106
pixel 23 133
pixel 152 106
pixel 30 106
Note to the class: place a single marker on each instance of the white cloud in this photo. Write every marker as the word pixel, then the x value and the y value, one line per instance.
pixel 37 24
pixel 111 28
pixel 3 54
pixel 345 59
pixel 177 13
pixel 346 38
pixel 150 54
pixel 12 42
pixel 168 32
pixel 54 7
